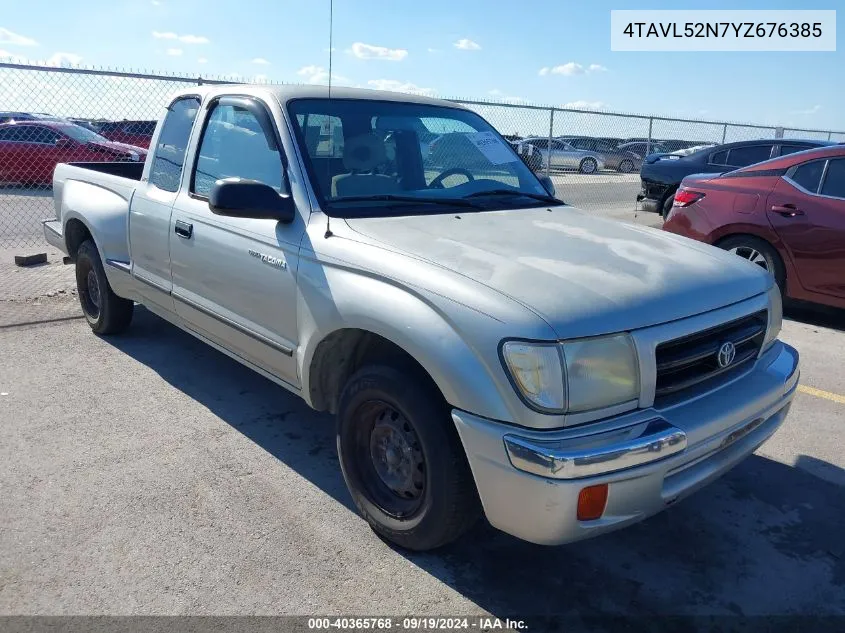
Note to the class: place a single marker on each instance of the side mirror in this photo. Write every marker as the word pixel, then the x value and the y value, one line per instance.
pixel 64 143
pixel 241 198
pixel 547 183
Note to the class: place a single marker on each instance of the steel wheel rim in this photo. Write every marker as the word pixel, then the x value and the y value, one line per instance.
pixel 391 461
pixel 751 254
pixel 589 166
pixel 91 294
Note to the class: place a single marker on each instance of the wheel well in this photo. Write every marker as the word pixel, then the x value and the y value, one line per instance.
pixel 75 233
pixel 342 353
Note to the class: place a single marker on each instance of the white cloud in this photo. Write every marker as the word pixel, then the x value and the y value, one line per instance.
pixel 807 111
pixel 156 3
pixel 185 39
pixel 433 50
pixel 498 95
pixel 399 86
pixel 571 68
pixel 586 105
pixel 202 60
pixel 319 75
pixel 368 51
pixel 15 39
pixel 260 61
pixel 64 59
pixel 467 45
pixel 174 52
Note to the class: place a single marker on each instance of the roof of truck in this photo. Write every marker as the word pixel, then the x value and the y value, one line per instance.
pixel 288 92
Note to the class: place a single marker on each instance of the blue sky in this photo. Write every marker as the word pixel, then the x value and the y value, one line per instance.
pixel 490 49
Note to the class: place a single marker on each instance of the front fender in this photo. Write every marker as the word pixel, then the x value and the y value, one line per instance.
pixel 430 328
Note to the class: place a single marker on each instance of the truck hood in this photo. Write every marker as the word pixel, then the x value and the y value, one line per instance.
pixel 582 274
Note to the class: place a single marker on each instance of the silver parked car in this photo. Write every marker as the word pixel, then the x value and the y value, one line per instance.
pixel 614 157
pixel 484 346
pixel 564 156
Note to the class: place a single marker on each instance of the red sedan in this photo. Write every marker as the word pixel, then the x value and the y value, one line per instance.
pixel 787 215
pixel 30 150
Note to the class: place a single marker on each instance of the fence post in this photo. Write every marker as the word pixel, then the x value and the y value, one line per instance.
pixel 648 144
pixel 828 135
pixel 724 133
pixel 199 81
pixel 549 150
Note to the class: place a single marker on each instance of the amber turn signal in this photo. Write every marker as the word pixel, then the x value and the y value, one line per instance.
pixel 591 502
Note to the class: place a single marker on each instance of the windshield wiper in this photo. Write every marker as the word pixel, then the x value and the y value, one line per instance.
pixel 515 192
pixel 390 197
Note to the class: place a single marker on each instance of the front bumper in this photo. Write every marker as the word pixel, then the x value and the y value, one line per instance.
pixel 529 481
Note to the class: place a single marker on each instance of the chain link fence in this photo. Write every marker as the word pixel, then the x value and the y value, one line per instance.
pixel 115 113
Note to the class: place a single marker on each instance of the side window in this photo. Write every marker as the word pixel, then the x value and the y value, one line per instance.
pixel 169 156
pixel 10 133
pixel 808 175
pixel 744 156
pixel 540 143
pixel 37 134
pixel 719 158
pixel 834 180
pixel 791 149
pixel 234 145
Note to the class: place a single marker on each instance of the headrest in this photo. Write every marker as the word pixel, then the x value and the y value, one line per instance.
pixel 364 152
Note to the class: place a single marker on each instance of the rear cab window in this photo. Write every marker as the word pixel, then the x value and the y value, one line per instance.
pixel 169 154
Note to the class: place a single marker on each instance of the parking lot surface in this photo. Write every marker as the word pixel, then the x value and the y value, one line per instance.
pixel 150 474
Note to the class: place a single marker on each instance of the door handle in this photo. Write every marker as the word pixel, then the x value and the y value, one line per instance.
pixel 787 210
pixel 183 229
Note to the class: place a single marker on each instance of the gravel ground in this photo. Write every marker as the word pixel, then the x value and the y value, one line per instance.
pixel 149 474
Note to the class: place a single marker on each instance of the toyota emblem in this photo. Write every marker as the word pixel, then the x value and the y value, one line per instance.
pixel 726 355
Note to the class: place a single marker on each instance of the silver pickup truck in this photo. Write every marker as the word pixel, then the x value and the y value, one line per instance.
pixel 484 346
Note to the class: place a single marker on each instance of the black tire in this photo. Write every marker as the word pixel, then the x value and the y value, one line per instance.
pixel 746 245
pixel 626 166
pixel 667 205
pixel 438 500
pixel 588 166
pixel 105 312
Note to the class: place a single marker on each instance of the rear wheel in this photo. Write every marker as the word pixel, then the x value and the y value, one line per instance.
pixel 758 252
pixel 667 205
pixel 402 459
pixel 105 312
pixel 588 166
pixel 626 166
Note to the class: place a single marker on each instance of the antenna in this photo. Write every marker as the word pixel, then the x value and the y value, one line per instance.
pixel 328 162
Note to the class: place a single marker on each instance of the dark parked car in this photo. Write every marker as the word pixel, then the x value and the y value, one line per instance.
pixel 661 174
pixel 643 148
pixel 529 154
pixel 787 215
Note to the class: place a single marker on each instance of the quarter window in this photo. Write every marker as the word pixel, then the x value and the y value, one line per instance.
pixel 169 157
pixel 719 158
pixel 234 145
pixel 808 175
pixel 791 149
pixel 834 180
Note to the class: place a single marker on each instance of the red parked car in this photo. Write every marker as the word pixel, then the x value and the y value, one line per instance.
pixel 138 133
pixel 787 215
pixel 30 150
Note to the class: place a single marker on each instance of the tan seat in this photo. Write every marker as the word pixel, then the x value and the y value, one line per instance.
pixel 361 155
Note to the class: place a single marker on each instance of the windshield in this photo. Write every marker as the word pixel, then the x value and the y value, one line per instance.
pixel 394 158
pixel 82 134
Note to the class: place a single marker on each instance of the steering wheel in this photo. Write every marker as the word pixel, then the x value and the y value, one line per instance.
pixel 437 183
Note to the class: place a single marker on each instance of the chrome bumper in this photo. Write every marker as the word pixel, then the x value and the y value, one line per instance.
pixel 529 481
pixel 53 234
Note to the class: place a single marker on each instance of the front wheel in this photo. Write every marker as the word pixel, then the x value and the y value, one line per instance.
pixel 402 459
pixel 105 312
pixel 588 166
pixel 758 252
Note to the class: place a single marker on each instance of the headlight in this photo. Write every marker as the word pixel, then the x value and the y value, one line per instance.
pixel 574 376
pixel 775 318
pixel 537 373
pixel 601 372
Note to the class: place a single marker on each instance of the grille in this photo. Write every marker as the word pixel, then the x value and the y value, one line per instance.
pixel 688 361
